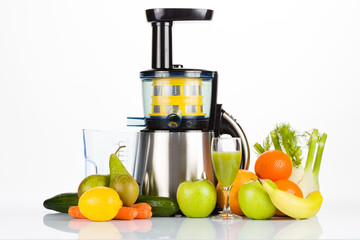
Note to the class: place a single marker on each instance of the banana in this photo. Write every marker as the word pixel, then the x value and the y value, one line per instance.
pixel 292 205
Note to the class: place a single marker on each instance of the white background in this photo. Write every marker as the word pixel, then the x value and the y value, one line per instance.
pixel 69 65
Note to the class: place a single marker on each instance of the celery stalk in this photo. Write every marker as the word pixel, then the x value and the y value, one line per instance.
pixel 312 147
pixel 319 154
pixel 259 149
pixel 275 140
pixel 310 180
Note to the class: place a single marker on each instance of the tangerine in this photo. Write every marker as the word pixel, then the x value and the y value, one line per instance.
pixel 290 187
pixel 273 165
pixel 242 177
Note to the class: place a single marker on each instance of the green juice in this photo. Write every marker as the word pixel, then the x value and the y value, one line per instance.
pixel 226 166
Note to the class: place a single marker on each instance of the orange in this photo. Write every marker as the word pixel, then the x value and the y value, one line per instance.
pixel 290 187
pixel 242 177
pixel 273 165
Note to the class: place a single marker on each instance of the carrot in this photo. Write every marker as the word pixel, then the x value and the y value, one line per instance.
pixel 74 211
pixel 126 213
pixel 143 205
pixel 143 214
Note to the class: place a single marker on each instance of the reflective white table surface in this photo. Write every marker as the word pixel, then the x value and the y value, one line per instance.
pixel 336 220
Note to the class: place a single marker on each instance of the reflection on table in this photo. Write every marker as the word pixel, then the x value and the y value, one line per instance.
pixel 186 228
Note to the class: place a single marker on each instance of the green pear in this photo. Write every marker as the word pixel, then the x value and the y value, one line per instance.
pixel 126 187
pixel 116 166
pixel 121 180
pixel 92 181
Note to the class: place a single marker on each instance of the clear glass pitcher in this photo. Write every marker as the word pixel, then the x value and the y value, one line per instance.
pixel 99 145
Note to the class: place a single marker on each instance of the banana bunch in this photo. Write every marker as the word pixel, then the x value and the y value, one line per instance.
pixel 292 205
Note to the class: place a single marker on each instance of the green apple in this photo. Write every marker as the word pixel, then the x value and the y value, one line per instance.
pixel 255 201
pixel 196 198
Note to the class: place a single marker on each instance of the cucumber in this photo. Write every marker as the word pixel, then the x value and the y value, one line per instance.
pixel 62 202
pixel 160 206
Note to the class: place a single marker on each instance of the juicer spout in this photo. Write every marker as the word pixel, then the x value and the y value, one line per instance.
pixel 135 122
pixel 173 119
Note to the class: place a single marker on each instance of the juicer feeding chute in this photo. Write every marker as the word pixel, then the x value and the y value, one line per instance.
pixel 162 21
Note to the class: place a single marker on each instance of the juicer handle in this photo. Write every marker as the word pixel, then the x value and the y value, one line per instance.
pixel 228 125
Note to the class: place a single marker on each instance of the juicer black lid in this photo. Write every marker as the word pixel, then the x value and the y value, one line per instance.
pixel 178 14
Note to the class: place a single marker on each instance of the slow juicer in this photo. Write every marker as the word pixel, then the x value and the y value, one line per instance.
pixel 181 114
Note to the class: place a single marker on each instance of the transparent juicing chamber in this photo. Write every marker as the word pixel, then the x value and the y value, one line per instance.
pixel 177 100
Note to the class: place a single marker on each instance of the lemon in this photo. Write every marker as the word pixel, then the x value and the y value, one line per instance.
pixel 100 204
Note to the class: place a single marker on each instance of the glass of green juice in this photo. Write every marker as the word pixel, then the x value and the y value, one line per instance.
pixel 226 158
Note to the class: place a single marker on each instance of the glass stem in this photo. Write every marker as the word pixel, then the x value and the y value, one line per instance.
pixel 226 209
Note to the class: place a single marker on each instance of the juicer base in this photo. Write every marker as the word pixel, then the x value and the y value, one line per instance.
pixel 165 159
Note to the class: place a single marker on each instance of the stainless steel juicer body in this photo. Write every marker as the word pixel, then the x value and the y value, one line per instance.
pixel 166 159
